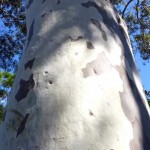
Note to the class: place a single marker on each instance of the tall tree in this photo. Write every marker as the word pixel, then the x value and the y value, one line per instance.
pixel 12 14
pixel 77 86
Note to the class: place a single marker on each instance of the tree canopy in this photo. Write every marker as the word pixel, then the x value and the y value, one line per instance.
pixel 136 13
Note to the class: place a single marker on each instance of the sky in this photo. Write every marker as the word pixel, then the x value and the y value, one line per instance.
pixel 144 71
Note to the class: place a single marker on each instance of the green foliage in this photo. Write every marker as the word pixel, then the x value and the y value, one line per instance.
pixel 6 82
pixel 137 17
pixel 147 93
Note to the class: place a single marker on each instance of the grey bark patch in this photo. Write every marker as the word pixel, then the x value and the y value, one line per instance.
pixel 4 115
pixel 46 72
pixel 88 4
pixel 30 33
pixel 140 123
pixel 133 144
pixel 43 1
pixel 29 4
pixel 118 20
pixel 96 67
pixel 37 147
pixel 22 125
pixel 89 45
pixel 50 82
pixel 76 53
pixel 77 39
pixel 29 64
pixel 58 2
pixel 91 113
pixel 113 27
pixel 98 25
pixel 16 112
pixel 95 71
pixel 43 15
pixel 110 23
pixel 25 87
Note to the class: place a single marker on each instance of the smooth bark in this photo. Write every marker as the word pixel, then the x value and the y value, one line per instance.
pixel 77 86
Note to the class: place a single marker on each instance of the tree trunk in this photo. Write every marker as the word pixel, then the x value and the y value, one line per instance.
pixel 77 86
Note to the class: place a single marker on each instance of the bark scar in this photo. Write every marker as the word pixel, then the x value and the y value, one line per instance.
pixel 77 39
pixel 25 87
pixel 22 125
pixel 30 33
pixel 29 64
pixel 89 45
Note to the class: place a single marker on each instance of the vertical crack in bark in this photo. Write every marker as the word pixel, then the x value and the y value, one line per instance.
pixel 22 125
pixel 29 64
pixel 30 33
pixel 25 87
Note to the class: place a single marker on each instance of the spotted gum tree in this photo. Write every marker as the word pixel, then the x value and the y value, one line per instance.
pixel 77 86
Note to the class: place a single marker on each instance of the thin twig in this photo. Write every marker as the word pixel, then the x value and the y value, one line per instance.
pixel 123 12
pixel 137 12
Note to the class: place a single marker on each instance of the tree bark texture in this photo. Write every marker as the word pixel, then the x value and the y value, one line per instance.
pixel 77 86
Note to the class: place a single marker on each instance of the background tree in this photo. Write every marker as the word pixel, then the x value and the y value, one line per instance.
pixel 136 13
pixel 13 34
pixel 12 39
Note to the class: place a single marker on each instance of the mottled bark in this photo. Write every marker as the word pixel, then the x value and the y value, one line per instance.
pixel 77 86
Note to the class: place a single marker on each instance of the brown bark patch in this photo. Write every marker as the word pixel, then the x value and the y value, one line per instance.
pixel 89 45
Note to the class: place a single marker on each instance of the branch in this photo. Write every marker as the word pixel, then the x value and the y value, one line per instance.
pixel 137 12
pixel 123 12
pixel 137 15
